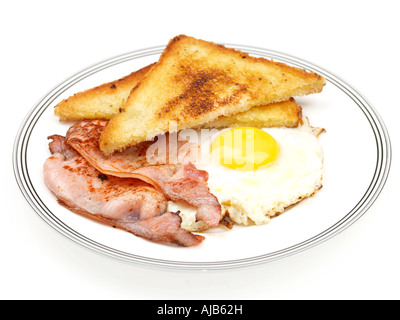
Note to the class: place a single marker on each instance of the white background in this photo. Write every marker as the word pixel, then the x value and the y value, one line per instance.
pixel 45 42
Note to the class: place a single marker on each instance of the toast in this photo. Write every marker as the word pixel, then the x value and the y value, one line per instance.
pixel 194 82
pixel 107 100
pixel 101 102
pixel 280 114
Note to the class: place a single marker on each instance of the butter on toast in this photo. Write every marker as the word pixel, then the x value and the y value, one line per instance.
pixel 101 102
pixel 195 82
pixel 279 114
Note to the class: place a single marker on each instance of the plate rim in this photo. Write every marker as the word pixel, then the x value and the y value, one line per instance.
pixel 373 191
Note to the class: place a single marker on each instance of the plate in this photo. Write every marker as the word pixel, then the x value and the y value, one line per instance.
pixel 357 155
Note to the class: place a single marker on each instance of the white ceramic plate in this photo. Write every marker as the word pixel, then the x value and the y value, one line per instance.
pixel 357 157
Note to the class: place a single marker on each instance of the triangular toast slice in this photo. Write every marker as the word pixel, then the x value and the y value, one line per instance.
pixel 101 102
pixel 195 82
pixel 107 100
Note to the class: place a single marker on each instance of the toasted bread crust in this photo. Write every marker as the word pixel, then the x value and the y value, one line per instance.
pixel 101 102
pixel 195 82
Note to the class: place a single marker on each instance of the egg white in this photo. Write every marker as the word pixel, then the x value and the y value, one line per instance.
pixel 253 197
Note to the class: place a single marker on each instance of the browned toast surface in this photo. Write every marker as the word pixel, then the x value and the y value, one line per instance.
pixel 107 100
pixel 195 82
pixel 101 102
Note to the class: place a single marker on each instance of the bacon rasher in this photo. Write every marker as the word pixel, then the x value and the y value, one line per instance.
pixel 180 181
pixel 126 203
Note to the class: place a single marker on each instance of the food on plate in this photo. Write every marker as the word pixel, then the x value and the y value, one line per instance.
pixel 101 102
pixel 107 100
pixel 128 204
pixel 206 136
pixel 179 181
pixel 195 82
pixel 282 167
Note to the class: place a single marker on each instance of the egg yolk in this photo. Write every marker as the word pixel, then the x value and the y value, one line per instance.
pixel 244 148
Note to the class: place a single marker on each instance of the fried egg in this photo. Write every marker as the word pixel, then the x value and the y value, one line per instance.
pixel 258 173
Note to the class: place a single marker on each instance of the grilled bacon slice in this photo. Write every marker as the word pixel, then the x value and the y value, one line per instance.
pixel 180 181
pixel 126 203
